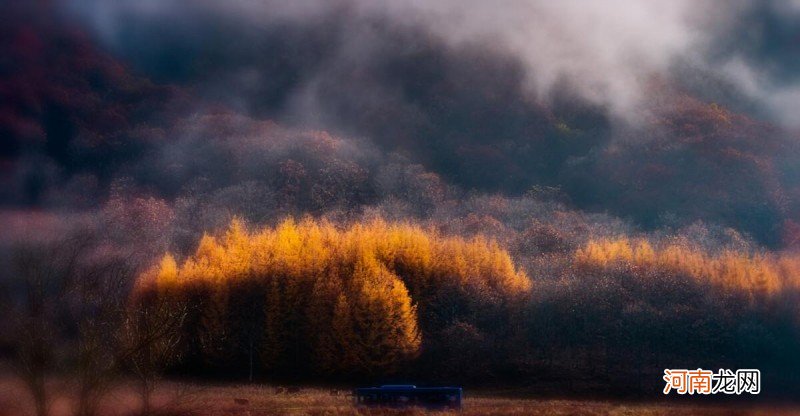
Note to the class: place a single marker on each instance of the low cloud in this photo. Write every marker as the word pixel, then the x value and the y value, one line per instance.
pixel 605 52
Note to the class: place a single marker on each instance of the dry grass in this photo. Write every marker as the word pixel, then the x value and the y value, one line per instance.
pixel 247 400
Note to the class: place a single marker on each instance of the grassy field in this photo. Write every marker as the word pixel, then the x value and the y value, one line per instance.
pixel 173 399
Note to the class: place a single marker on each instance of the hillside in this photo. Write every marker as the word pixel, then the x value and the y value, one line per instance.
pixel 346 193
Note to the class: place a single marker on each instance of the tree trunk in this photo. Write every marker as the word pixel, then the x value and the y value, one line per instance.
pixel 251 358
pixel 145 393
pixel 40 398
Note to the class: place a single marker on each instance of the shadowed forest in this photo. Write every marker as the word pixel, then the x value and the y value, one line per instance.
pixel 344 193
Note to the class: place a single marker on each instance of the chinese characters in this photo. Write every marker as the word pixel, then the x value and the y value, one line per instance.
pixel 702 381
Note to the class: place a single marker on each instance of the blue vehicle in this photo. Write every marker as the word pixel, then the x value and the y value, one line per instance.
pixel 403 395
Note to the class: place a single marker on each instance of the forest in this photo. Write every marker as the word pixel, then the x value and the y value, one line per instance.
pixel 344 194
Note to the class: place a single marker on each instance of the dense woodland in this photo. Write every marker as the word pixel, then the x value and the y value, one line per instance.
pixel 314 301
pixel 311 299
pixel 433 222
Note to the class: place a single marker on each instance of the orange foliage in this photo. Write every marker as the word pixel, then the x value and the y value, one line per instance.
pixel 754 273
pixel 351 295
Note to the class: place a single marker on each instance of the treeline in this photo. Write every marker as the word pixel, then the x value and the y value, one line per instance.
pixel 758 274
pixel 376 300
pixel 311 299
pixel 623 309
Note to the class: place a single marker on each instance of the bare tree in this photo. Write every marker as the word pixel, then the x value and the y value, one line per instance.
pixel 44 272
pixel 74 294
pixel 97 300
pixel 149 341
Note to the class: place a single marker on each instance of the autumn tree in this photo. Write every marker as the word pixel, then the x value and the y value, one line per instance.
pixel 375 328
pixel 309 297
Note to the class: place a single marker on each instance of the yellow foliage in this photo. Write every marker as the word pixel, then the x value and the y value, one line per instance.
pixel 358 288
pixel 754 273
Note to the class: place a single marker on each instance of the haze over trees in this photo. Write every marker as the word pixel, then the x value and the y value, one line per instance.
pixel 197 194
pixel 313 300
